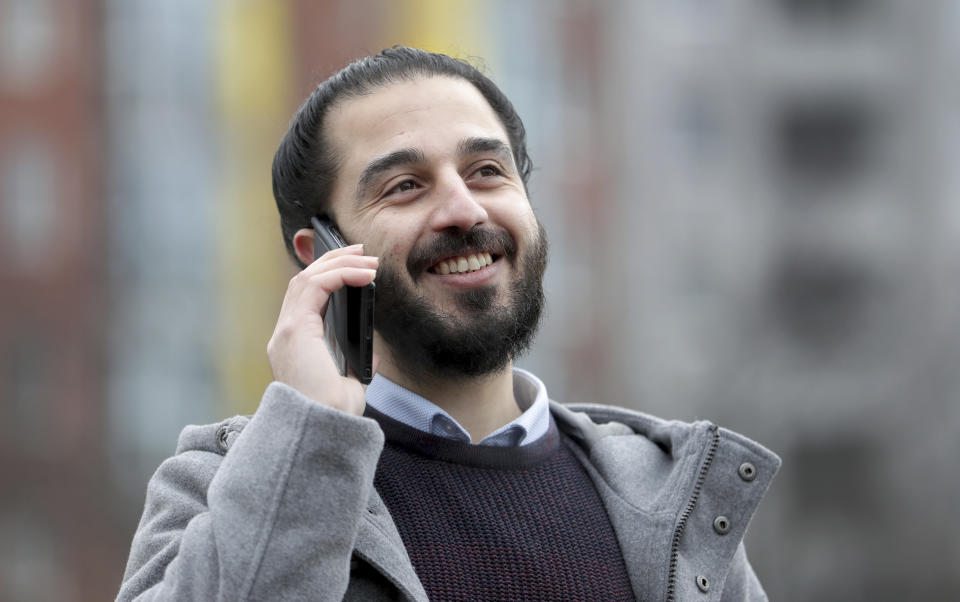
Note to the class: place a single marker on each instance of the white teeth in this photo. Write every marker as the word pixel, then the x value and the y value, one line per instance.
pixel 457 265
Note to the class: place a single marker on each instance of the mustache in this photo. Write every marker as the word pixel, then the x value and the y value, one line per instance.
pixel 449 244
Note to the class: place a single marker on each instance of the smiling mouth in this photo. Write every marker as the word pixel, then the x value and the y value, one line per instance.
pixel 463 264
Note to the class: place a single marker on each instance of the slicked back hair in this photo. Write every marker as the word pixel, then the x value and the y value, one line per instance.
pixel 305 166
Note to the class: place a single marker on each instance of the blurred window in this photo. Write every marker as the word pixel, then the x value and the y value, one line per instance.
pixel 697 126
pixel 27 378
pixel 27 38
pixel 818 301
pixel 31 566
pixel 823 142
pixel 826 10
pixel 28 204
pixel 836 464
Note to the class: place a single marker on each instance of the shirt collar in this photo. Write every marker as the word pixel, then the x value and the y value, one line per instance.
pixel 403 405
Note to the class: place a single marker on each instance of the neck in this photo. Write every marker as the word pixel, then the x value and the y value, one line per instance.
pixel 481 405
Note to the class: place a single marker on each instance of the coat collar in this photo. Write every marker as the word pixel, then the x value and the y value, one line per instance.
pixel 665 485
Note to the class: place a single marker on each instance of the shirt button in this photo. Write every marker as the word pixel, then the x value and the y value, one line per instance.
pixel 747 471
pixel 703 584
pixel 721 525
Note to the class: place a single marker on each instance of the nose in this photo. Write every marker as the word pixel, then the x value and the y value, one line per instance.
pixel 457 207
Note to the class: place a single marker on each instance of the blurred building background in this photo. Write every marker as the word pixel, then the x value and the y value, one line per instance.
pixel 753 213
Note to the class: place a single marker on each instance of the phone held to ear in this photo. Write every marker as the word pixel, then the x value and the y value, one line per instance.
pixel 348 322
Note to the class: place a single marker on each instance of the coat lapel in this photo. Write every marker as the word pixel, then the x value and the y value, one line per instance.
pixel 378 542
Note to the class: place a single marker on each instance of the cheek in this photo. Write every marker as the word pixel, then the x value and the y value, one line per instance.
pixel 520 221
pixel 375 242
pixel 392 236
pixel 396 252
pixel 392 252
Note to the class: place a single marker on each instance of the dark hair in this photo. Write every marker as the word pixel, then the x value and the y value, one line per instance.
pixel 305 167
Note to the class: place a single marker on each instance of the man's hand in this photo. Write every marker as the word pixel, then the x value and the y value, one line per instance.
pixel 298 352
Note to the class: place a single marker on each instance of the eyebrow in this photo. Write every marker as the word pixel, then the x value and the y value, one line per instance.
pixel 477 145
pixel 415 156
pixel 374 169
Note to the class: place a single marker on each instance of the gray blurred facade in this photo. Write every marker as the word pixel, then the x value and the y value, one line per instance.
pixel 759 227
pixel 753 220
pixel 780 256
pixel 161 139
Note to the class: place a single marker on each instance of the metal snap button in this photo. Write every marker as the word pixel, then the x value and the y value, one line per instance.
pixel 721 525
pixel 747 471
pixel 703 584
pixel 222 439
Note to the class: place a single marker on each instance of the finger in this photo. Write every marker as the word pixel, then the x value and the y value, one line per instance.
pixel 338 278
pixel 356 249
pixel 319 287
pixel 354 261
pixel 298 282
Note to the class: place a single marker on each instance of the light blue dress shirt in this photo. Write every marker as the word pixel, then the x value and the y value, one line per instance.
pixel 387 397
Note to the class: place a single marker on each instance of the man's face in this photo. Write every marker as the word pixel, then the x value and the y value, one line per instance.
pixel 427 181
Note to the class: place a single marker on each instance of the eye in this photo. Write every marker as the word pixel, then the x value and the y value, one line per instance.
pixel 488 171
pixel 404 186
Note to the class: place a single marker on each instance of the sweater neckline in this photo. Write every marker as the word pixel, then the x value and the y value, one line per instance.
pixel 434 447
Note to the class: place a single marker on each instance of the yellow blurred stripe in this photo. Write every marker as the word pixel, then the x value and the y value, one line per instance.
pixel 454 27
pixel 253 82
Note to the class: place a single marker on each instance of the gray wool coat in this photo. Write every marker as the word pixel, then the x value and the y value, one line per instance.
pixel 281 506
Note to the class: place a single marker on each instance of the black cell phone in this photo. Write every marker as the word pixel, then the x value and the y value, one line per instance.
pixel 348 322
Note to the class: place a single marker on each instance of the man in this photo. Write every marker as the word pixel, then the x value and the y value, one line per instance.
pixel 452 476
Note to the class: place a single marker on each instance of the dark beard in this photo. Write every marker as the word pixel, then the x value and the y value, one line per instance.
pixel 428 343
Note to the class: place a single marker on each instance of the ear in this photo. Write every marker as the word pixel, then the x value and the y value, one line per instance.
pixel 303 245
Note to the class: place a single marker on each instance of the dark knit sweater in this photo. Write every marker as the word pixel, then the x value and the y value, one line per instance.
pixel 499 523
